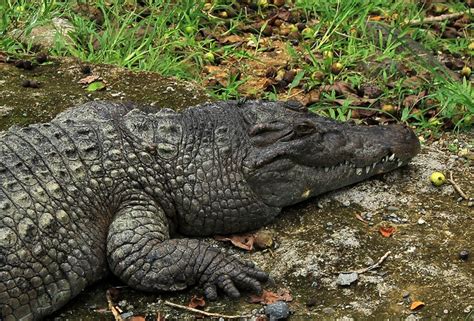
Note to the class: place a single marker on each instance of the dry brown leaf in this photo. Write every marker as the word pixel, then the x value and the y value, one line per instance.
pixel 231 39
pixel 269 297
pixel 219 74
pixel 387 231
pixel 196 302
pixel 244 241
pixel 415 305
pixel 376 18
pixel 88 80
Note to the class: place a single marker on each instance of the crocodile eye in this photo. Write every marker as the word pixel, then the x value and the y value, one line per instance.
pixel 304 128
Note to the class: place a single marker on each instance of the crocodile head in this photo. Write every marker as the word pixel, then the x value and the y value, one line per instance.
pixel 295 154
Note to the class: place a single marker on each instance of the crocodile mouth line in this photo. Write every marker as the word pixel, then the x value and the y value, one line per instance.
pixel 387 161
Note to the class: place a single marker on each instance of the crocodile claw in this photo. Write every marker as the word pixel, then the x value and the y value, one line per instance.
pixel 232 275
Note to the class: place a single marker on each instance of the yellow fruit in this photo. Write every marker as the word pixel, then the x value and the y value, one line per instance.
pixel 388 108
pixel 471 46
pixel 328 54
pixel 336 68
pixel 466 71
pixel 437 178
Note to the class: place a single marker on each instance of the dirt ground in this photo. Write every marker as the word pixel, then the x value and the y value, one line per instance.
pixel 432 227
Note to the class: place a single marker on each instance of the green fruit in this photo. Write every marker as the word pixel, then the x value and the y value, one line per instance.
pixel 308 33
pixel 209 56
pixel 189 30
pixel 437 178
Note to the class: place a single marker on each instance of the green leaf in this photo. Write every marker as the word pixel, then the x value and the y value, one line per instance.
pixel 297 79
pixel 96 85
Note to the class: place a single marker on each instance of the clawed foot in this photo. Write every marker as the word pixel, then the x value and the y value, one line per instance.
pixel 231 274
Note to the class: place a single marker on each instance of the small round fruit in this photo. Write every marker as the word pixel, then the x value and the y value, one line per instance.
pixel 189 30
pixel 388 108
pixel 293 27
pixel 336 68
pixel 437 178
pixel 328 54
pixel 308 33
pixel 466 71
pixel 471 46
pixel 209 56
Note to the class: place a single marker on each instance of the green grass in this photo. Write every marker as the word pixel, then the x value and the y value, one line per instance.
pixel 162 37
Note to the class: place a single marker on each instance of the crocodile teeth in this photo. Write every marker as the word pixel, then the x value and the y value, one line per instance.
pixel 359 171
pixel 367 169
pixel 374 164
pixel 326 169
pixel 383 160
pixel 400 163
pixel 392 157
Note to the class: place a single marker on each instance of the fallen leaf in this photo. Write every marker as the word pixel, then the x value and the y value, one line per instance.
pixel 244 241
pixel 376 18
pixel 95 86
pixel 231 39
pixel 285 295
pixel 387 231
pixel 89 79
pixel 269 297
pixel 197 301
pixel 415 305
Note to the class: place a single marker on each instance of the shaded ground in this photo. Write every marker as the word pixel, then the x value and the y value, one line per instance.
pixel 313 241
pixel 58 89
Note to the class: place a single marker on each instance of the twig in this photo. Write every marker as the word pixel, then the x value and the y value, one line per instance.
pixel 442 17
pixel 207 314
pixel 373 266
pixel 456 187
pixel 116 314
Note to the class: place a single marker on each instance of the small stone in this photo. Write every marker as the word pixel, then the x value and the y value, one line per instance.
pixel 468 309
pixel 406 295
pixel 445 311
pixel 329 311
pixel 392 208
pixel 421 221
pixel 126 315
pixel 464 255
pixel 345 279
pixel 277 311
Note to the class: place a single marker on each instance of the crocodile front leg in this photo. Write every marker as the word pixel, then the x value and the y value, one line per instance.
pixel 142 255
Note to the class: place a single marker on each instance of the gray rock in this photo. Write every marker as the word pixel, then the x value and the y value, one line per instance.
pixel 277 311
pixel 346 279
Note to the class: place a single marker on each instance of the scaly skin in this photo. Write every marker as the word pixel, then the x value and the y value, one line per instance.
pixel 105 187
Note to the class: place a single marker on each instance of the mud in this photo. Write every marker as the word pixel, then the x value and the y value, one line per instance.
pixel 314 241
pixel 59 89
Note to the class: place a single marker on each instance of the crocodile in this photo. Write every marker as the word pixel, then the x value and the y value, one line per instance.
pixel 109 187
